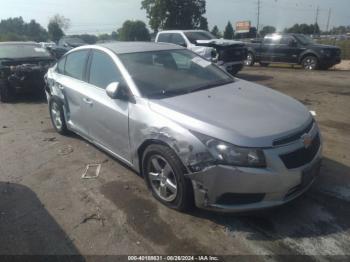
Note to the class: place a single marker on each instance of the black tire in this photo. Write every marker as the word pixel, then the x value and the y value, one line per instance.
pixel 250 61
pixel 184 195
pixel 57 105
pixel 234 71
pixel 6 94
pixel 264 64
pixel 310 62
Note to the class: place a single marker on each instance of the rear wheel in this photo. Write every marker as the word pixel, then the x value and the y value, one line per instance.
pixel 6 94
pixel 310 63
pixel 250 59
pixel 164 175
pixel 57 116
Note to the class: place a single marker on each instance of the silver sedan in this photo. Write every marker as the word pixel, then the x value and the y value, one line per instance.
pixel 196 134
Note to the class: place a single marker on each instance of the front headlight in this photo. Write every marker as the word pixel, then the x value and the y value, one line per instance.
pixel 214 55
pixel 228 154
pixel 326 52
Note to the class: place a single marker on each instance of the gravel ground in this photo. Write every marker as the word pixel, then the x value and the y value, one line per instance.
pixel 47 208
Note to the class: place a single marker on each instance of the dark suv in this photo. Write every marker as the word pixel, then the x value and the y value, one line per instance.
pixel 22 68
pixel 294 49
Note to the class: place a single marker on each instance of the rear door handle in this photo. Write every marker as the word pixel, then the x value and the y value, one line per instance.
pixel 87 101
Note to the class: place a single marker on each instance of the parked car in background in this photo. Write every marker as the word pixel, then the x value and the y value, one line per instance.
pixel 64 45
pixel 192 130
pixel 228 54
pixel 22 68
pixel 293 49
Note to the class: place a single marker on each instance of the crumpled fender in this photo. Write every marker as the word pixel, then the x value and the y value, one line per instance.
pixel 219 42
pixel 203 51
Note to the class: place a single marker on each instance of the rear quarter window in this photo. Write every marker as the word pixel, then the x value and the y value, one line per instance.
pixel 60 65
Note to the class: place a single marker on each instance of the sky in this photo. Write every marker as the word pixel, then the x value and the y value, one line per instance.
pixel 104 16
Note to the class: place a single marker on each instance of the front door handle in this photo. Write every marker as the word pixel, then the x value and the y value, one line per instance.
pixel 87 101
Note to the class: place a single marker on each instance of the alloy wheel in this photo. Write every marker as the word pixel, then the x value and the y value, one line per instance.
pixel 249 60
pixel 162 178
pixel 310 63
pixel 56 115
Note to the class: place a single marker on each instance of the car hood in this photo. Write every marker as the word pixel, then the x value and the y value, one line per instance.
pixel 320 46
pixel 241 113
pixel 219 42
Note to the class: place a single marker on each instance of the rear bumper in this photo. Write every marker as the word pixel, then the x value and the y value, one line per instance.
pixel 236 189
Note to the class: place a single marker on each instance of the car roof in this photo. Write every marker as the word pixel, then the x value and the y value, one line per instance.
pixel 180 31
pixel 137 47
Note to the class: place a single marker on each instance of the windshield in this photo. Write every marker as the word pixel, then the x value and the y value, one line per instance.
pixel 15 51
pixel 160 74
pixel 305 40
pixel 199 35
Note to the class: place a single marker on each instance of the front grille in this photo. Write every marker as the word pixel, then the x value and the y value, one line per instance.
pixel 233 54
pixel 303 155
pixel 239 199
pixel 290 138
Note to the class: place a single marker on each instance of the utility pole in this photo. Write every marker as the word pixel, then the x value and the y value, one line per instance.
pixel 258 19
pixel 329 18
pixel 317 12
pixel 316 18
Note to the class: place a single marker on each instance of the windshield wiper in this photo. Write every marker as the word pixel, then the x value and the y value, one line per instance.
pixel 212 85
pixel 168 93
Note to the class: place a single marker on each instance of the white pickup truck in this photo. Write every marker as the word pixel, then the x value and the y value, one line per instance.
pixel 228 54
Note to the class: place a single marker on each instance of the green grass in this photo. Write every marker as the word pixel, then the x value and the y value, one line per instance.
pixel 344 45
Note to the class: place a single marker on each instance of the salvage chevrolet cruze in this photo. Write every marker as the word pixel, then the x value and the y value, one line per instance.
pixel 196 134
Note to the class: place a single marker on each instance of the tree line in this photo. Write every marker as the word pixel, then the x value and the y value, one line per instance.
pixel 162 15
pixel 16 29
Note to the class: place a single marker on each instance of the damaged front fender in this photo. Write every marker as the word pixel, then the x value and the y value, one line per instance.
pixel 158 128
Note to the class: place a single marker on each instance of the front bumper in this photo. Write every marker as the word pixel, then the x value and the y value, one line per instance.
pixel 232 66
pixel 236 189
pixel 330 61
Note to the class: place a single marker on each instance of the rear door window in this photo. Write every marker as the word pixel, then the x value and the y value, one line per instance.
pixel 76 63
pixel 165 38
pixel 286 40
pixel 177 39
pixel 103 70
pixel 272 40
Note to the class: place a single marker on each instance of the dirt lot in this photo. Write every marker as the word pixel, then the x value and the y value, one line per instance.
pixel 47 208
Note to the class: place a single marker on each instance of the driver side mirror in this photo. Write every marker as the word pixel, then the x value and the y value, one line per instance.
pixel 112 90
pixel 183 44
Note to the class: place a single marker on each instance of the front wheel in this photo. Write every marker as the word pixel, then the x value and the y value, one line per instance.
pixel 250 59
pixel 164 175
pixel 6 94
pixel 310 63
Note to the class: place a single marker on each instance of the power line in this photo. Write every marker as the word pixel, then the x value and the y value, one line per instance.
pixel 329 18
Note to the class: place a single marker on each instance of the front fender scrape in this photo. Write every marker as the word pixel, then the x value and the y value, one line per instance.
pixel 150 126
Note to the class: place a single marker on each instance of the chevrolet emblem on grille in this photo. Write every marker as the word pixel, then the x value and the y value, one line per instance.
pixel 307 140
